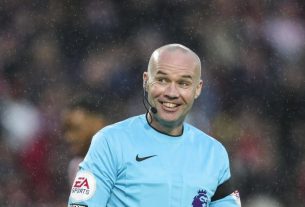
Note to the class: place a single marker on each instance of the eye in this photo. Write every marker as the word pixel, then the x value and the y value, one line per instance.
pixel 184 84
pixel 162 80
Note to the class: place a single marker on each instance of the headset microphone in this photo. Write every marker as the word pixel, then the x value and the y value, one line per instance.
pixel 152 109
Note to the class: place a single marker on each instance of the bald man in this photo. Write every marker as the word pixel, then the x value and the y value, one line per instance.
pixel 156 159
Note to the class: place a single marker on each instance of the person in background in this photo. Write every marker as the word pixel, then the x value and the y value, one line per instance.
pixel 157 159
pixel 83 117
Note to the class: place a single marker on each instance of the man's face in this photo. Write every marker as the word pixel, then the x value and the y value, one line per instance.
pixel 172 85
pixel 79 126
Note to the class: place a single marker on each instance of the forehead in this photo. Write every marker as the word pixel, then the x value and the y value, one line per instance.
pixel 176 62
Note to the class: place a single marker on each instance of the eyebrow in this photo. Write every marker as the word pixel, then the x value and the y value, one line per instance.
pixel 161 73
pixel 183 76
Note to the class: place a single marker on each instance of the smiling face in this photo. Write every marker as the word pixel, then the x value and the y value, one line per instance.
pixel 172 83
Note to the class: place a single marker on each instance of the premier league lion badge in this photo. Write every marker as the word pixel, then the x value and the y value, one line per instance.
pixel 201 200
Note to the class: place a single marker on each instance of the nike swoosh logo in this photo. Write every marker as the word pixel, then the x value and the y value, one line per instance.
pixel 140 159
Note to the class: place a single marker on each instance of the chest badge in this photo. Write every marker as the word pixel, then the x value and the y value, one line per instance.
pixel 201 199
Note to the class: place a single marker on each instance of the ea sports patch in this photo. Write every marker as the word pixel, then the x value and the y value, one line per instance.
pixel 83 187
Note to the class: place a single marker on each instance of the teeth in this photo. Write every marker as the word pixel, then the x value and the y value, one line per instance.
pixel 169 105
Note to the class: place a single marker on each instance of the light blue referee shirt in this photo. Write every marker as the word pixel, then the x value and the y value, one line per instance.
pixel 131 164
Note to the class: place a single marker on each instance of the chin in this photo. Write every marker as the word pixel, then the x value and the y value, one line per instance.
pixel 171 121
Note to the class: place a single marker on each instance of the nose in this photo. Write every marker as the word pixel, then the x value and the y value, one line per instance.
pixel 171 91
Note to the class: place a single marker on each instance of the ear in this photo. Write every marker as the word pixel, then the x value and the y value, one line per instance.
pixel 198 89
pixel 145 79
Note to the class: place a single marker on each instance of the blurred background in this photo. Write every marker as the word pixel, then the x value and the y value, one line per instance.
pixel 253 57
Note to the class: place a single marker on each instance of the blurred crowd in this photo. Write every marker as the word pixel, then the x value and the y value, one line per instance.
pixel 253 57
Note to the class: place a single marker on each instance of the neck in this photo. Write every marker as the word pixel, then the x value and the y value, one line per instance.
pixel 169 129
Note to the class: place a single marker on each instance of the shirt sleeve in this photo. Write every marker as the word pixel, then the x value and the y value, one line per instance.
pixel 227 196
pixel 94 181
